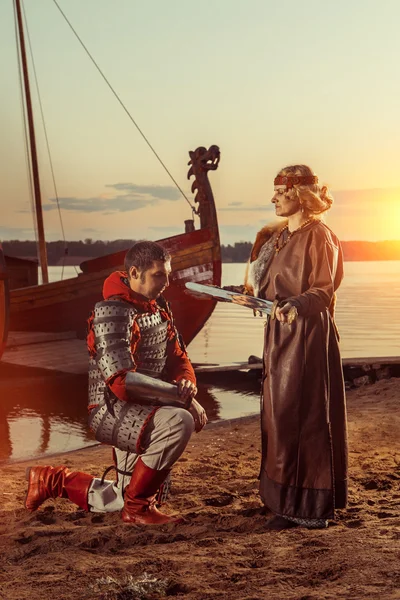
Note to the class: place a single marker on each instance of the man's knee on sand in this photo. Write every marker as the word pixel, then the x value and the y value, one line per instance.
pixel 177 420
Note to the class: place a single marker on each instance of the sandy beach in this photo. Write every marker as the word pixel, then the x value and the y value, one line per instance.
pixel 224 551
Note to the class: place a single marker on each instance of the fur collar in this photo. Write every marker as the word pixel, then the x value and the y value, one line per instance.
pixel 261 253
pixel 264 235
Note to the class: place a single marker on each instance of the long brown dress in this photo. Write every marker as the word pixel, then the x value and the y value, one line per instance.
pixel 303 417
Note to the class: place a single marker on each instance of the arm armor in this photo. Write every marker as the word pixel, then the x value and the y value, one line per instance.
pixel 112 325
pixel 152 391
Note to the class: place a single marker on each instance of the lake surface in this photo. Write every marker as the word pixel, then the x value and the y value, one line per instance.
pixel 47 414
pixel 367 316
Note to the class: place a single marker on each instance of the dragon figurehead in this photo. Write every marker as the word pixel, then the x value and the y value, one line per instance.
pixel 202 161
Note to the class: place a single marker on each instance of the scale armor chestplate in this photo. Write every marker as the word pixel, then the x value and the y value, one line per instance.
pixel 151 354
pixel 114 421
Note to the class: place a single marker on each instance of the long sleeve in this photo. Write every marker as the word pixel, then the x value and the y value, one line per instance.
pixel 326 272
pixel 178 363
pixel 118 387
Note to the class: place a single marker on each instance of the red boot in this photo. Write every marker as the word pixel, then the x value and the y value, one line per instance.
pixel 140 497
pixel 56 482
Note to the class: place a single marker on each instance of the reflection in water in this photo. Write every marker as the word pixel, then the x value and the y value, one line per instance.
pixel 29 434
pixel 5 437
pixel 368 291
pixel 46 413
pixel 229 395
pixel 41 414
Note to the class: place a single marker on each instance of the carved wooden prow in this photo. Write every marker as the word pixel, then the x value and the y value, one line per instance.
pixel 202 161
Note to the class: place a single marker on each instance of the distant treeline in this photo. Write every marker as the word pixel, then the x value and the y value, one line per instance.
pixel 57 252
pixel 388 250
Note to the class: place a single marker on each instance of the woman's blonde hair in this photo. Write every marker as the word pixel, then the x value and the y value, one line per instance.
pixel 314 199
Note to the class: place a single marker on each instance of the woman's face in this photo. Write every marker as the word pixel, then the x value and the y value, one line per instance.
pixel 286 201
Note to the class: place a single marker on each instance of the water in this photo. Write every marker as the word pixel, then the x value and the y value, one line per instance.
pixel 47 414
pixel 367 315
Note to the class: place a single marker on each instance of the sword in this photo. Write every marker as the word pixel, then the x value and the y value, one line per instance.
pixel 265 307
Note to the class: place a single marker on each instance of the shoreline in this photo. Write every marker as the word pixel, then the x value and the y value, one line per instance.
pixel 243 261
pixel 222 423
pixel 16 383
pixel 224 551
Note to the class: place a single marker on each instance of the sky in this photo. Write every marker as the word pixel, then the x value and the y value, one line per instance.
pixel 271 83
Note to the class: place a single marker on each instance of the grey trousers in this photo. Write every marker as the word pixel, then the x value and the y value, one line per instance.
pixel 164 440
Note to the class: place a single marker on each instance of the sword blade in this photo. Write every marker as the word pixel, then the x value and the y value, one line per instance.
pixel 265 306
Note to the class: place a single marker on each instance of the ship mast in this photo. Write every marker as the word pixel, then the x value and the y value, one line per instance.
pixel 33 152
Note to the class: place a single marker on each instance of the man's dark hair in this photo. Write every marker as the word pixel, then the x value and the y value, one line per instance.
pixel 143 254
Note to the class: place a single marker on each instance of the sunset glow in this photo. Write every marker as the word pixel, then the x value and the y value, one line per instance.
pixel 312 99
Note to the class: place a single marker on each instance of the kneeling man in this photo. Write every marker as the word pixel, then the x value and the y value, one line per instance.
pixel 134 351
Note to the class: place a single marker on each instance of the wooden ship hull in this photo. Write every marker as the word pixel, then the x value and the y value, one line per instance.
pixel 4 303
pixel 196 256
pixel 65 305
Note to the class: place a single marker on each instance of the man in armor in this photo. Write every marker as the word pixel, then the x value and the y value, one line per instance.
pixel 135 350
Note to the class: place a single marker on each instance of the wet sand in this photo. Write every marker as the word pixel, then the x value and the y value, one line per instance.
pixel 224 551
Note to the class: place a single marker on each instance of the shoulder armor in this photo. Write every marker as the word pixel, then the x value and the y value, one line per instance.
pixel 112 325
pixel 113 308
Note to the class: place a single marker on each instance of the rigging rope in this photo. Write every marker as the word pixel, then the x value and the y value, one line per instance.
pixel 27 155
pixel 47 144
pixel 125 109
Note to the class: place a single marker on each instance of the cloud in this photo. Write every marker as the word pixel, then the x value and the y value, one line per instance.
pixel 347 203
pixel 172 230
pixel 240 207
pixel 133 197
pixel 107 205
pixel 162 192
pixel 364 200
pixel 16 233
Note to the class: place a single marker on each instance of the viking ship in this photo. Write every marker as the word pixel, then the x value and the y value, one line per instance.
pixel 196 256
pixel 4 303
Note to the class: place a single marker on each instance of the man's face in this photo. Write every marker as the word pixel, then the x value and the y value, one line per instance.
pixel 152 282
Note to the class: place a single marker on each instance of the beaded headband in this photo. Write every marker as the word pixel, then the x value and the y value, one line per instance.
pixel 291 180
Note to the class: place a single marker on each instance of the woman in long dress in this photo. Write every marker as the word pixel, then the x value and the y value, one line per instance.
pixel 299 264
